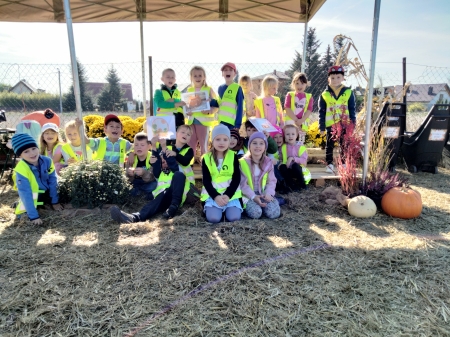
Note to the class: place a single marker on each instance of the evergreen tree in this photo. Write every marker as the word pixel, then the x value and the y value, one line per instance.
pixel 141 107
pixel 296 66
pixel 86 99
pixel 110 99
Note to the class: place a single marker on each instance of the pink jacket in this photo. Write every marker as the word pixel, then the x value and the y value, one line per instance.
pixel 292 151
pixel 271 180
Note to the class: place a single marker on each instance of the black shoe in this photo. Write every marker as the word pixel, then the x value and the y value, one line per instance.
pixel 119 216
pixel 170 212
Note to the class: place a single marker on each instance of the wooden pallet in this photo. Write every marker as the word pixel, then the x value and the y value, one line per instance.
pixel 318 174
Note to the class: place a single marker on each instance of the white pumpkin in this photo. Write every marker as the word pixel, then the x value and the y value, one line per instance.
pixel 362 207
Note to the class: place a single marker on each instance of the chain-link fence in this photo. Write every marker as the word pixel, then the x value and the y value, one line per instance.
pixel 29 87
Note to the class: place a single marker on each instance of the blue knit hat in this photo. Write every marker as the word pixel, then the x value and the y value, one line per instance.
pixel 22 141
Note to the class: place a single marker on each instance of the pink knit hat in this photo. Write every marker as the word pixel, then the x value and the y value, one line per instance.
pixel 278 132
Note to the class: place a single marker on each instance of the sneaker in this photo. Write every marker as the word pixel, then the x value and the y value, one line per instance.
pixel 170 212
pixel 120 216
pixel 281 201
pixel 330 168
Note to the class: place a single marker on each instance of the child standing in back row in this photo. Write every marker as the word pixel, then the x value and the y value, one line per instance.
pixel 167 100
pixel 267 105
pixel 200 121
pixel 231 99
pixel 337 100
pixel 298 104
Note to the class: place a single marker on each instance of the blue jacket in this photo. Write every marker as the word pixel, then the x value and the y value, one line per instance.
pixel 46 182
pixel 323 106
pixel 239 102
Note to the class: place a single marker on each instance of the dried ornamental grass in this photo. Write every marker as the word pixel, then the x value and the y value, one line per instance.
pixel 93 184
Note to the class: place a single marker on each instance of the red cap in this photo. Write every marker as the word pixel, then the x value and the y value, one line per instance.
pixel 336 70
pixel 112 117
pixel 229 64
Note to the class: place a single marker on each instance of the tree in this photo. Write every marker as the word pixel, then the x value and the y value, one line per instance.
pixel 4 87
pixel 111 97
pixel 296 66
pixel 86 99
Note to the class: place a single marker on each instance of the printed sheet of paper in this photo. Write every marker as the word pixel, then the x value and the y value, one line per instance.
pixel 161 126
pixel 437 134
pixel 262 124
pixel 195 101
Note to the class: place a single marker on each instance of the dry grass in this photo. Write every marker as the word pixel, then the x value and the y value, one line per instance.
pixel 360 277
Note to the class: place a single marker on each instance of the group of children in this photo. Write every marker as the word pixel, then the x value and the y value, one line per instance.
pixel 239 173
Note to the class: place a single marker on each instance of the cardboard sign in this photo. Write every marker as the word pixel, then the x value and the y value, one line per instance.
pixel 262 124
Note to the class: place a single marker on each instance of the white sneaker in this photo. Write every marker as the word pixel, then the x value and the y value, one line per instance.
pixel 330 168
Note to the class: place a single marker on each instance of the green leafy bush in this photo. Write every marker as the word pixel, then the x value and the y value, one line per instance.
pixel 93 184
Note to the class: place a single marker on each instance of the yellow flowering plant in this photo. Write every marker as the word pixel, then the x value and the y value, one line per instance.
pixel 95 126
pixel 313 137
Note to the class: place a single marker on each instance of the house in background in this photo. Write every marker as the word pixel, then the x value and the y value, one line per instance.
pixel 279 75
pixel 23 87
pixel 427 94
pixel 96 88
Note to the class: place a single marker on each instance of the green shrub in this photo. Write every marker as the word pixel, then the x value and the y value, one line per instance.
pixel 416 107
pixel 29 102
pixel 93 184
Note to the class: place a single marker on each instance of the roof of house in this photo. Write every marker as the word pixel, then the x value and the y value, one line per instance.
pixel 422 92
pixel 278 74
pixel 25 83
pixel 96 88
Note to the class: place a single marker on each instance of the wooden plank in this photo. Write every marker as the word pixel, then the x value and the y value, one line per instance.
pixel 317 172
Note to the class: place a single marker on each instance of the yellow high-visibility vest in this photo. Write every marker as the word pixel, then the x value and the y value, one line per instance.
pixel 68 149
pixel 101 151
pixel 228 104
pixel 301 150
pixel 336 107
pixel 305 125
pixel 245 168
pixel 220 179
pixel 147 161
pixel 169 111
pixel 260 106
pixel 206 120
pixel 57 145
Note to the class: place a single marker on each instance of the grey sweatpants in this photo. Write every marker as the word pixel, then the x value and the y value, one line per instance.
pixel 254 211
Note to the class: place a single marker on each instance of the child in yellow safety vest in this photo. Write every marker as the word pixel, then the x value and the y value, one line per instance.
pixel 200 121
pixel 293 159
pixel 268 105
pixel 34 178
pixel 298 104
pixel 278 137
pixel 245 82
pixel 51 145
pixel 335 102
pixel 111 148
pixel 72 151
pixel 171 167
pixel 140 171
pixel 231 99
pixel 167 100
pixel 221 178
pixel 258 180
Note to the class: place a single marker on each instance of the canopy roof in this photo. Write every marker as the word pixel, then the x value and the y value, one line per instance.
pixel 160 10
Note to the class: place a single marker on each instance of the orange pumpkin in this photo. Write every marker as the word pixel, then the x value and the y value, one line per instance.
pixel 43 117
pixel 402 202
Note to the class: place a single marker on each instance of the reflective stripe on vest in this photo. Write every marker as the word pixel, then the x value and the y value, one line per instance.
pixel 301 150
pixel 164 182
pixel 68 149
pixel 305 125
pixel 204 119
pixel 147 161
pixel 24 169
pixel 335 107
pixel 101 151
pixel 169 111
pixel 245 168
pixel 187 170
pixel 220 180
pixel 228 104
pixel 260 106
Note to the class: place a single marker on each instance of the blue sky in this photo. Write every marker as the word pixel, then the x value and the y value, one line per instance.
pixel 414 29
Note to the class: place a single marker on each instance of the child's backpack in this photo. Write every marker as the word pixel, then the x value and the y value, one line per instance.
pixel 31 128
